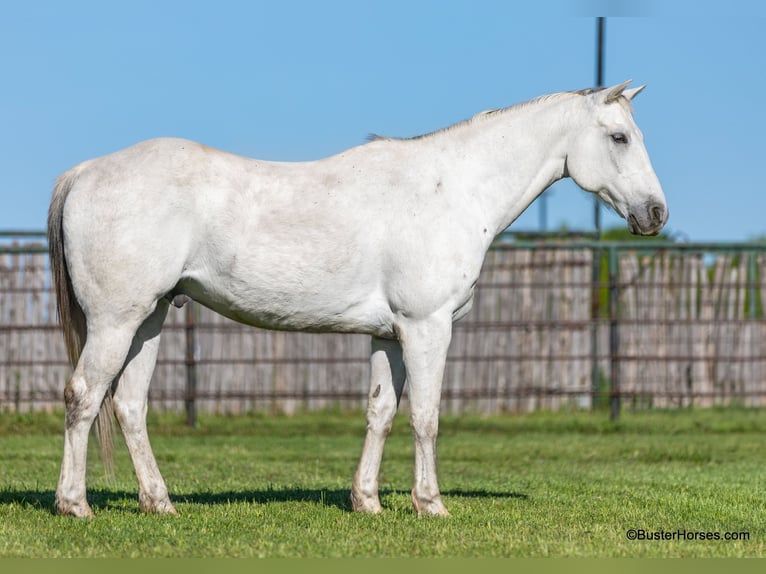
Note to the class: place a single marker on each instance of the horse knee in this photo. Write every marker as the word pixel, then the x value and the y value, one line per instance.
pixel 379 427
pixel 380 417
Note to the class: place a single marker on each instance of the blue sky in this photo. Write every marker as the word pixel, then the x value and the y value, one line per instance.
pixel 300 79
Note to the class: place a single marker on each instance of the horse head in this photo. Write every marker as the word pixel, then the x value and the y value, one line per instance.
pixel 607 157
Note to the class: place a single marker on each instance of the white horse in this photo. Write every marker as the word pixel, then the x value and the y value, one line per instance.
pixel 386 239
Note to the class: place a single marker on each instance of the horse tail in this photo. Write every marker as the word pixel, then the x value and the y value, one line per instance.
pixel 71 315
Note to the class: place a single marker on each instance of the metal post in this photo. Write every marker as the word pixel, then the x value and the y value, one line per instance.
pixel 614 334
pixel 600 29
pixel 752 282
pixel 191 365
pixel 595 311
pixel 596 275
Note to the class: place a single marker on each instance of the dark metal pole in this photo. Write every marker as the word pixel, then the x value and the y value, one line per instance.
pixel 613 263
pixel 614 335
pixel 596 277
pixel 191 365
pixel 600 28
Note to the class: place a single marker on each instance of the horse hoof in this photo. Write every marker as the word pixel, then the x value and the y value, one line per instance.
pixel 366 504
pixel 75 509
pixel 158 507
pixel 429 507
pixel 432 510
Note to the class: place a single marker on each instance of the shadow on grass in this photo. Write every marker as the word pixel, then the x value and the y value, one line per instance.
pixel 338 498
pixel 102 499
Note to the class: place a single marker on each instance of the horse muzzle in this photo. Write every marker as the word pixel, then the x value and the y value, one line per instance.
pixel 649 219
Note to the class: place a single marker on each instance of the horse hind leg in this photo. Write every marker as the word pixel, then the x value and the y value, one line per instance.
pixel 100 363
pixel 130 406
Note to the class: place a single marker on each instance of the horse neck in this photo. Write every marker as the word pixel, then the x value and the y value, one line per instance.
pixel 513 156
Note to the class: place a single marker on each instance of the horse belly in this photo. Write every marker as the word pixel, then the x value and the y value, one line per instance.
pixel 292 303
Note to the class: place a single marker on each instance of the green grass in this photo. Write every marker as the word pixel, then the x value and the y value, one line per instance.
pixel 564 484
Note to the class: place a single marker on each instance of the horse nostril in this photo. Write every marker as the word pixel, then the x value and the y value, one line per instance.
pixel 657 213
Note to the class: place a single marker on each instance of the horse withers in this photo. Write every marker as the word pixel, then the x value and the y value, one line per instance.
pixel 385 239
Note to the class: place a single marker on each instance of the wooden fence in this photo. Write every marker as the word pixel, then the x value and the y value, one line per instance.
pixel 666 326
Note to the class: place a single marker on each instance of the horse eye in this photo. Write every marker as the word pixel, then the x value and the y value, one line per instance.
pixel 619 138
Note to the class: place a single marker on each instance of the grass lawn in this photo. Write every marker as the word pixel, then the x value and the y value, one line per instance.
pixel 563 484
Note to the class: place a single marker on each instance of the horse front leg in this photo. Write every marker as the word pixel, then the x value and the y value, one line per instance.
pixel 424 345
pixel 387 378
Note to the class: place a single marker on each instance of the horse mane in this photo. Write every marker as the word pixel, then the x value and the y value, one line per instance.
pixel 477 117
pixel 497 111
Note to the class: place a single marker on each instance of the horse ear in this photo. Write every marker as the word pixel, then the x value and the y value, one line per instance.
pixel 613 94
pixel 633 92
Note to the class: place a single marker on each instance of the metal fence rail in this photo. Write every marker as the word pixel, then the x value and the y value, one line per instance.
pixel 663 325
